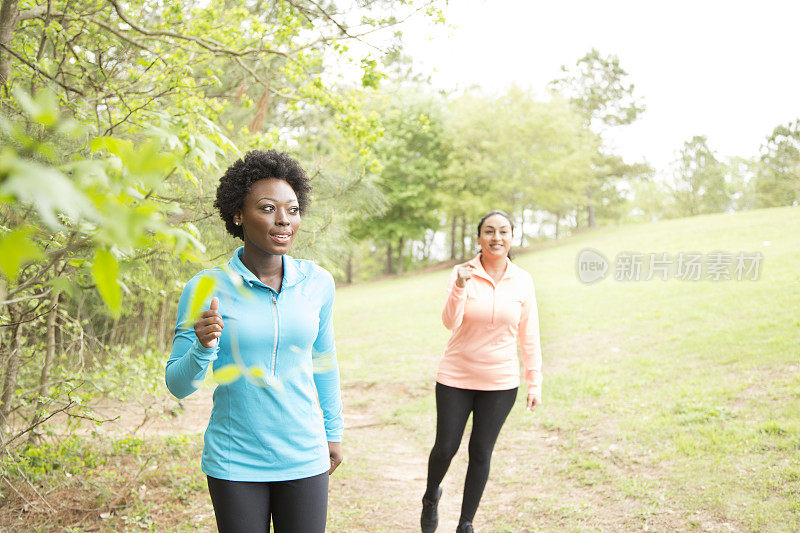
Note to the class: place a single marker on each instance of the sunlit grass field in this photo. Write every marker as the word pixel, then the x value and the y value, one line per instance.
pixel 668 405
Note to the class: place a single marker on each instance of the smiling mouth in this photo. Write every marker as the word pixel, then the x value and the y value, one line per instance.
pixel 281 238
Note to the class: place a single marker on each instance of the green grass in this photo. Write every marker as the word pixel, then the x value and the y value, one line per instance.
pixel 675 404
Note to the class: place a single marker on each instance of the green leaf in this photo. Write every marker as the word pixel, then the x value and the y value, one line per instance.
pixel 104 271
pixel 16 248
pixel 201 293
pixel 61 284
pixel 227 374
pixel 46 189
pixel 148 163
pixel 119 147
pixel 42 108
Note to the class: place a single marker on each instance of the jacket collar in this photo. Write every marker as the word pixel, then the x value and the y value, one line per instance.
pixel 292 275
pixel 511 269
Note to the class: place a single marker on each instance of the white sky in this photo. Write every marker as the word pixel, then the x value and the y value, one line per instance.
pixel 729 70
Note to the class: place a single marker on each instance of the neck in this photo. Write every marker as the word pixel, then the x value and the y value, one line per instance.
pixel 265 266
pixel 493 265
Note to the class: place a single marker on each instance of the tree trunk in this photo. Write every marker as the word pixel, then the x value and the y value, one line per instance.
pixel 427 244
pixel 148 319
pixel 8 22
pixel 348 268
pixel 400 243
pixel 558 225
pixel 50 350
pixel 113 336
pixel 453 226
pixel 12 365
pixel 590 209
pixel 522 229
pixel 389 263
pixel 49 356
pixel 162 323
pixel 463 236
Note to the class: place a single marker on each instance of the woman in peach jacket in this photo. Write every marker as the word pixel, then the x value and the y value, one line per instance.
pixel 491 304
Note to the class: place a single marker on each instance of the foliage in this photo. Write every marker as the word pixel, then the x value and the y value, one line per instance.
pixel 597 86
pixel 117 119
pixel 516 153
pixel 700 185
pixel 412 155
pixel 778 178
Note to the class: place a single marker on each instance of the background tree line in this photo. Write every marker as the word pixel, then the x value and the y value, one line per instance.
pixel 447 158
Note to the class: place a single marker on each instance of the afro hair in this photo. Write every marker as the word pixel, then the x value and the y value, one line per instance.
pixel 257 165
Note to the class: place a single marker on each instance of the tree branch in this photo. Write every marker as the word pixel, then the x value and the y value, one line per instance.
pixel 36 424
pixel 209 44
pixel 40 71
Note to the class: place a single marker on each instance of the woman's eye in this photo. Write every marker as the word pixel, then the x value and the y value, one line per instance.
pixel 294 210
pixel 267 208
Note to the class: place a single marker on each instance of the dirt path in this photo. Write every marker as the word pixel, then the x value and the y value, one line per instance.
pixel 377 489
pixel 388 475
pixel 532 486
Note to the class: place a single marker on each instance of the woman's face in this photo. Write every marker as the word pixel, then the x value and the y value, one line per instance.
pixel 270 216
pixel 496 236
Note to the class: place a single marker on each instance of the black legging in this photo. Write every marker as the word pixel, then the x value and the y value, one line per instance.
pixel 489 410
pixel 295 506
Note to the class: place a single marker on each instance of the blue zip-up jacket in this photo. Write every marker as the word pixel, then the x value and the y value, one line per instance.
pixel 273 425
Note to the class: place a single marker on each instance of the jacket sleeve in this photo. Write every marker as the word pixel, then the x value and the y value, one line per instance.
pixel 326 367
pixel 189 359
pixel 529 343
pixel 453 312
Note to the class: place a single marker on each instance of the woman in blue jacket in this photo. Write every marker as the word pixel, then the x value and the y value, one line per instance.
pixel 275 433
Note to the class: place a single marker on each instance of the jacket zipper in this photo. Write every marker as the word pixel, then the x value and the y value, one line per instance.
pixel 275 346
pixel 494 293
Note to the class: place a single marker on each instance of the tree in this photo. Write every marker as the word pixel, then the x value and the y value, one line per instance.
pixel 612 174
pixel 85 219
pixel 548 154
pixel 106 176
pixel 700 185
pixel 598 88
pixel 412 156
pixel 471 177
pixel 742 178
pixel 516 153
pixel 778 174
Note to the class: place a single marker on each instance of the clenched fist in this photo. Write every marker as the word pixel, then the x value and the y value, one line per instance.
pixel 464 274
pixel 208 327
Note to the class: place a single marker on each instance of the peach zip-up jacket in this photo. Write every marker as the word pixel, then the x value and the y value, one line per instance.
pixel 486 319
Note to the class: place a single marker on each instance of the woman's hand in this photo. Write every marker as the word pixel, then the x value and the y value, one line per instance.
pixel 335 451
pixel 208 327
pixel 534 400
pixel 464 274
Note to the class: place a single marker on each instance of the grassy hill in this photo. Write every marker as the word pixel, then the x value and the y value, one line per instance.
pixel 667 404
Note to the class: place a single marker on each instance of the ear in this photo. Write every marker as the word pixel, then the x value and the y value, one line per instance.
pixel 237 218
